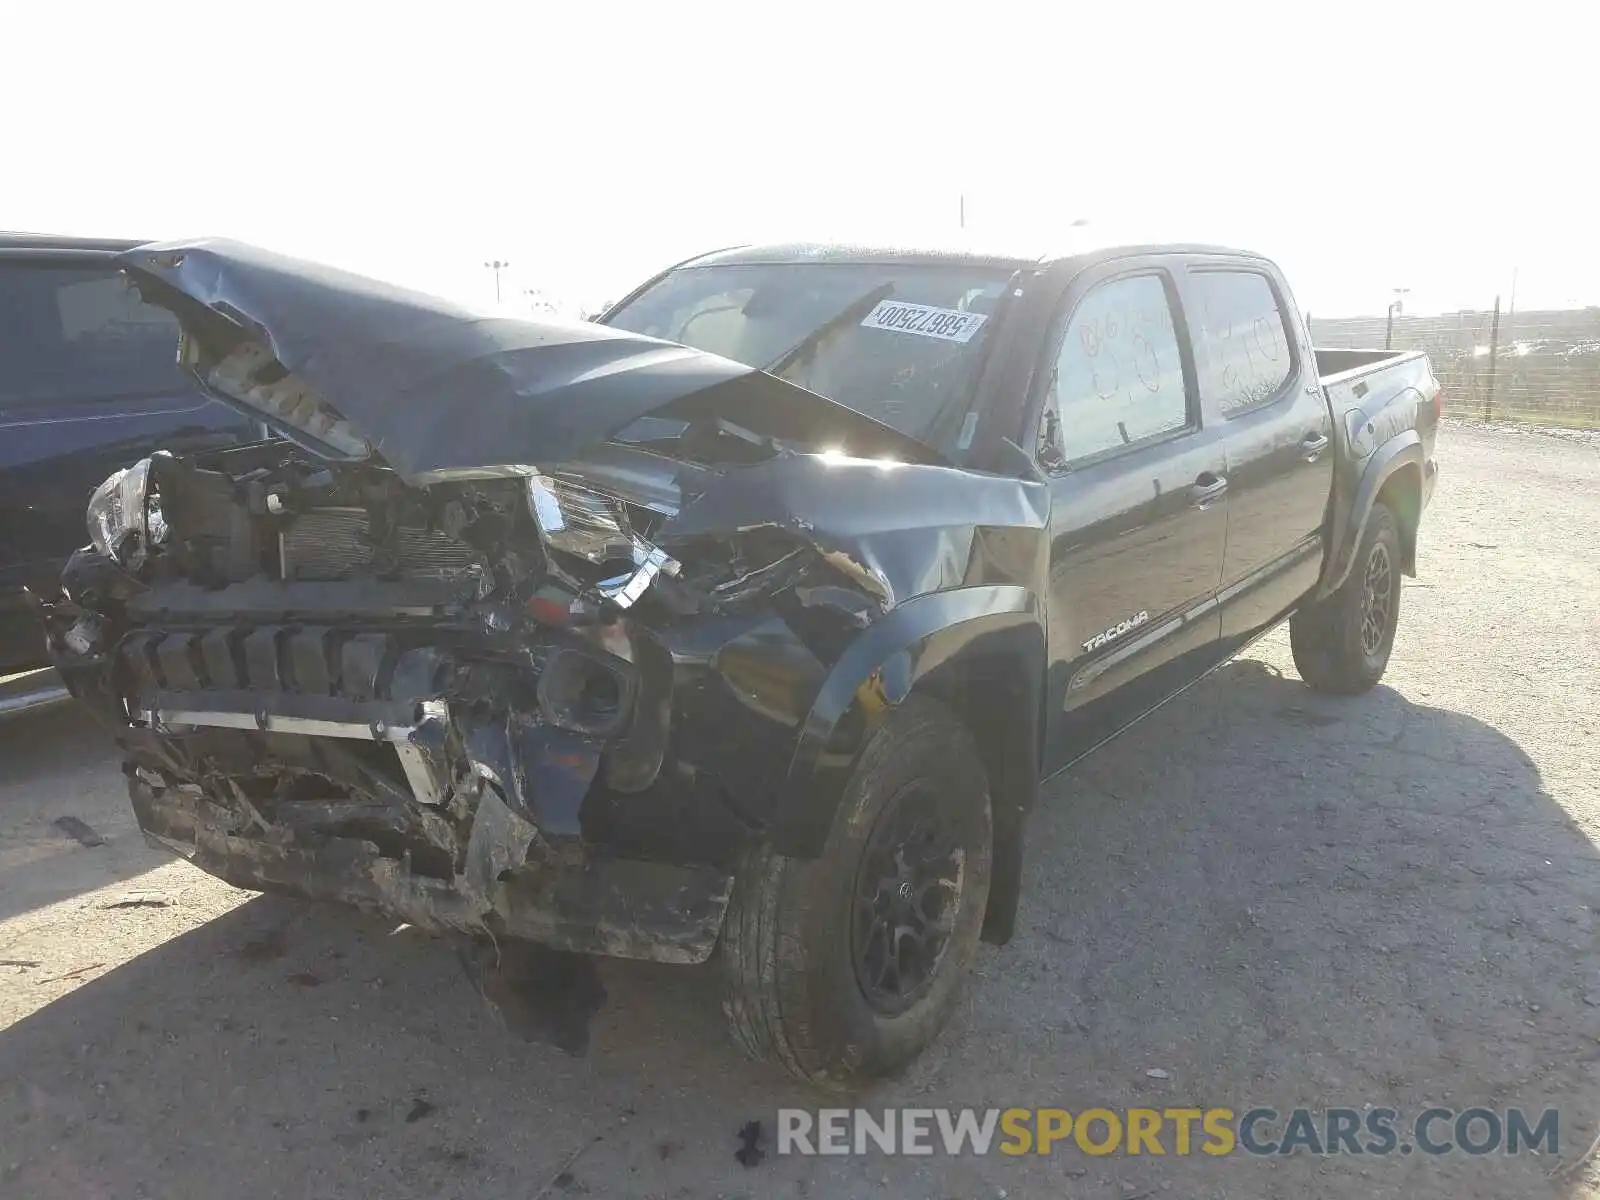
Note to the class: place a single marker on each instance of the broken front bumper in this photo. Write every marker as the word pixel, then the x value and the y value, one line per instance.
pixel 361 769
pixel 621 907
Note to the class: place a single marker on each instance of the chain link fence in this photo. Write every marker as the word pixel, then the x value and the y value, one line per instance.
pixel 1541 367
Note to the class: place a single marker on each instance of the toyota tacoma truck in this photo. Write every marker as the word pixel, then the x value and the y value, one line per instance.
pixel 747 620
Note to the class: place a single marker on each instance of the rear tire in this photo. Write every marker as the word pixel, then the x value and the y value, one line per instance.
pixel 1342 643
pixel 843 968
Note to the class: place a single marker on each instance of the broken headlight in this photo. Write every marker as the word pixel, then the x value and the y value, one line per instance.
pixel 578 520
pixel 594 527
pixel 124 516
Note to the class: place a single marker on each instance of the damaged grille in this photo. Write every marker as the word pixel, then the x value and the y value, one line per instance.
pixel 336 543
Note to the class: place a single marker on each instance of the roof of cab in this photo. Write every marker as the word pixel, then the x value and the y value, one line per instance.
pixel 824 252
pixel 57 241
pixel 1013 260
pixel 56 245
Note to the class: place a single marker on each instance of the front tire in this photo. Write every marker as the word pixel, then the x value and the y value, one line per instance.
pixel 842 969
pixel 1342 643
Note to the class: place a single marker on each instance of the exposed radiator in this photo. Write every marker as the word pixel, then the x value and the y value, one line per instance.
pixel 333 543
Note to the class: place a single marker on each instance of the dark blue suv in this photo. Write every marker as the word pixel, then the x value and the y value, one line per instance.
pixel 89 382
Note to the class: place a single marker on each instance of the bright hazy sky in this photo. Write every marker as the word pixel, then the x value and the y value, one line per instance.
pixel 1366 146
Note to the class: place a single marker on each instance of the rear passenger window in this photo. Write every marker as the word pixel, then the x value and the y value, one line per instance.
pixel 1118 376
pixel 75 333
pixel 1239 328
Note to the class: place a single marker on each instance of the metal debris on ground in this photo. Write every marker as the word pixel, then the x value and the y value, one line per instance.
pixel 563 1176
pixel 750 1152
pixel 80 831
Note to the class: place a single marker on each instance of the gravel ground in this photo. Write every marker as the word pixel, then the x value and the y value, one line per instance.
pixel 1273 897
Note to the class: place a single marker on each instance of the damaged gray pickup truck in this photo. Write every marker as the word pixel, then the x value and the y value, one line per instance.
pixel 595 636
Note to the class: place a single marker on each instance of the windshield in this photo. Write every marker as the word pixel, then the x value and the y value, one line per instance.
pixel 898 343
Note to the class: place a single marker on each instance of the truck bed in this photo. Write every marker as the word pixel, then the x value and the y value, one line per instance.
pixel 1344 366
pixel 1369 382
pixel 1377 397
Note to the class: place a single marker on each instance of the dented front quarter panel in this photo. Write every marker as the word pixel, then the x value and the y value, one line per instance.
pixel 954 564
pixel 899 530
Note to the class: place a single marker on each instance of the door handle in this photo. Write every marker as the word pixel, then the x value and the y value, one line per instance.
pixel 1208 488
pixel 1312 446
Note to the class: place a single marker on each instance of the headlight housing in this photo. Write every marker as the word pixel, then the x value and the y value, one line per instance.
pixel 124 516
pixel 593 526
pixel 578 520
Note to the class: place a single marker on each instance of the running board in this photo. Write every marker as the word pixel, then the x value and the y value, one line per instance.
pixel 32 692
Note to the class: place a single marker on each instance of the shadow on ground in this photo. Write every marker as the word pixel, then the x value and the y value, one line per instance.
pixel 1274 897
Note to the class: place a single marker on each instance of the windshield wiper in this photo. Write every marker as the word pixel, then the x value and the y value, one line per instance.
pixel 807 345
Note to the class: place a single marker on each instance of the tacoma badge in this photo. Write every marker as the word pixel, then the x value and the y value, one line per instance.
pixel 1116 631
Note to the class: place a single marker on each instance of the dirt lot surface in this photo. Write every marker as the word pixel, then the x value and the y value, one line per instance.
pixel 1274 898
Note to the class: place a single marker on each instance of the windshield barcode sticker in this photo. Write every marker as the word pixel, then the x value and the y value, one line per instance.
pixel 946 324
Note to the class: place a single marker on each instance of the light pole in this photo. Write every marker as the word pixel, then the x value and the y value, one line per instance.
pixel 1395 305
pixel 496 266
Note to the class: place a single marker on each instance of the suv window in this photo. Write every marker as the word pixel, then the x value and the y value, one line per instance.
pixel 1118 375
pixel 1239 326
pixel 80 333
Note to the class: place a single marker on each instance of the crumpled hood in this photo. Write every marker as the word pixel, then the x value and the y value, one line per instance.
pixel 353 368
